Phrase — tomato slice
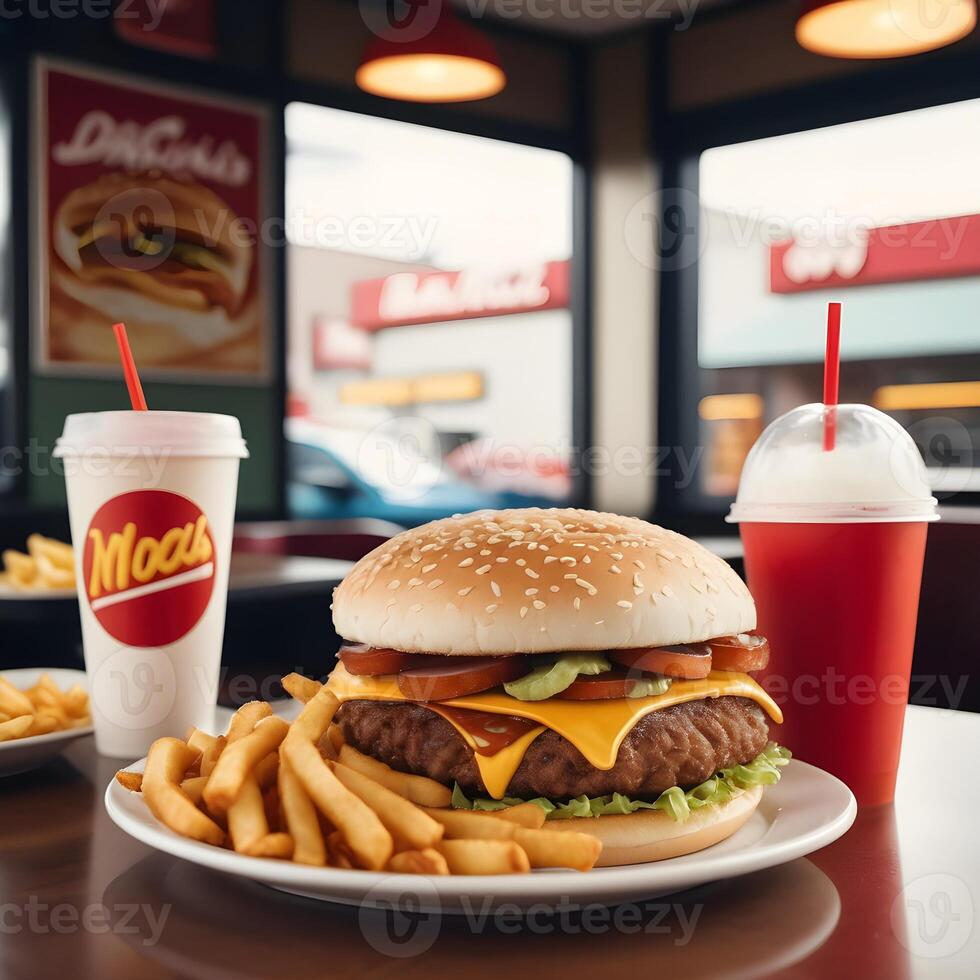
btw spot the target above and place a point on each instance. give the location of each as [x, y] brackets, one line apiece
[743, 652]
[689, 661]
[615, 683]
[454, 677]
[359, 658]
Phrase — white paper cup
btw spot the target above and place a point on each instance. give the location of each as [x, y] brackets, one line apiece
[151, 498]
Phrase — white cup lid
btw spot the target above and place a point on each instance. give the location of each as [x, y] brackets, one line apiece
[873, 473]
[174, 433]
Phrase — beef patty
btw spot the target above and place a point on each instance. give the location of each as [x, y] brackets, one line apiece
[678, 746]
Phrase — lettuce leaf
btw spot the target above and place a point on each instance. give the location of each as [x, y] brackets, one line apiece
[551, 679]
[677, 802]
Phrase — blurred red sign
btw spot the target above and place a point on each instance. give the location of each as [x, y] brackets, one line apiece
[431, 297]
[939, 248]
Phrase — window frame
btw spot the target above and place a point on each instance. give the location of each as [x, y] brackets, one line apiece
[916, 83]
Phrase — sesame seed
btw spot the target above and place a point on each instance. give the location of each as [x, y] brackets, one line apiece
[615, 569]
[571, 575]
[623, 604]
[667, 591]
[393, 584]
[553, 588]
[530, 592]
[531, 573]
[412, 582]
[428, 568]
[578, 544]
[465, 592]
[495, 588]
[521, 562]
[538, 604]
[568, 560]
[523, 611]
[618, 555]
[466, 562]
[483, 569]
[637, 582]
[549, 559]
[587, 559]
[592, 590]
[417, 607]
[492, 607]
[599, 622]
[639, 564]
[501, 560]
[469, 544]
[485, 552]
[435, 583]
[577, 603]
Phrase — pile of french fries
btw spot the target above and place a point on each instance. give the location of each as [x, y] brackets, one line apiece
[41, 709]
[48, 564]
[297, 792]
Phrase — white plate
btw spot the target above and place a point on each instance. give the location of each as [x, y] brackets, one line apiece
[805, 811]
[22, 754]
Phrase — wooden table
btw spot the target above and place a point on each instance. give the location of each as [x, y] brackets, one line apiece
[896, 897]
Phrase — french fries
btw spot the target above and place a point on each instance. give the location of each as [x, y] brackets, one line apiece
[299, 687]
[360, 826]
[239, 757]
[427, 862]
[166, 763]
[246, 718]
[528, 815]
[484, 857]
[133, 781]
[558, 848]
[418, 789]
[41, 709]
[300, 818]
[411, 828]
[282, 795]
[49, 564]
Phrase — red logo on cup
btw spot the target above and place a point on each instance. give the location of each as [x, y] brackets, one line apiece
[148, 566]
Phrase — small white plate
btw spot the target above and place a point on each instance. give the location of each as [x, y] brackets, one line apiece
[22, 754]
[805, 811]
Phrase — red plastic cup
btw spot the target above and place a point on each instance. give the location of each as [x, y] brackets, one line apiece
[834, 543]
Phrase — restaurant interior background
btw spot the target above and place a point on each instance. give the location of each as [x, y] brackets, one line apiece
[513, 301]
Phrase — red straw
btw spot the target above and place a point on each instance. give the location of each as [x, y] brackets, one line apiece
[831, 376]
[129, 368]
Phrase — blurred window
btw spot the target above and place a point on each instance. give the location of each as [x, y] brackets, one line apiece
[429, 334]
[882, 214]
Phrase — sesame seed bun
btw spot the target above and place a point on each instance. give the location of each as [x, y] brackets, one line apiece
[539, 581]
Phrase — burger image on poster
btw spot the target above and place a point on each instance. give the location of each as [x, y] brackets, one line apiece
[165, 256]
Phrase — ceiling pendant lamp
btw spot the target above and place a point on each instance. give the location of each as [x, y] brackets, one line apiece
[430, 56]
[882, 28]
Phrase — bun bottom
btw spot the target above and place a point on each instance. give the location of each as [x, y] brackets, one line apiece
[653, 835]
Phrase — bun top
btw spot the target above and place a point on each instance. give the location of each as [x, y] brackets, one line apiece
[539, 581]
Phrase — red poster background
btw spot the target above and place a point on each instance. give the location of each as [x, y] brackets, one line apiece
[212, 143]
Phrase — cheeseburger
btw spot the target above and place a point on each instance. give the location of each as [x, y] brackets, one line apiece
[597, 665]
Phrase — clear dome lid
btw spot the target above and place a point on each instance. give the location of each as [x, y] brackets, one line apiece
[873, 473]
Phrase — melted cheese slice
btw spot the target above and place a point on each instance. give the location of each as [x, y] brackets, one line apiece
[595, 728]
